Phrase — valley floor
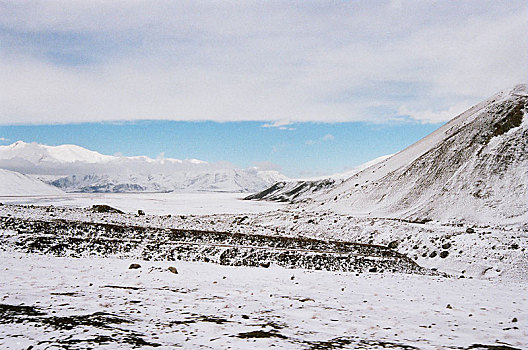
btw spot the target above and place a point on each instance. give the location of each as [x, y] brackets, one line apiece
[76, 303]
[97, 301]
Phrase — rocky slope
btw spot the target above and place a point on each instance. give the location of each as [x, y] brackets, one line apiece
[471, 169]
[298, 190]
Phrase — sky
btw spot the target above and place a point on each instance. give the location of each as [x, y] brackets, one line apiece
[304, 86]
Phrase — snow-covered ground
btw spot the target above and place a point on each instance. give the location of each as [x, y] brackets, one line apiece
[49, 302]
[197, 203]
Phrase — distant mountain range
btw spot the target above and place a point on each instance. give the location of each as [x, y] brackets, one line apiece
[473, 168]
[76, 169]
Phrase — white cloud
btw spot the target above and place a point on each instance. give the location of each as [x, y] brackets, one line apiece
[430, 116]
[3, 139]
[260, 61]
[280, 124]
[325, 138]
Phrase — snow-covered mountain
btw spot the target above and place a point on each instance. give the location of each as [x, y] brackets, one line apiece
[297, 190]
[473, 168]
[76, 169]
[214, 180]
[16, 184]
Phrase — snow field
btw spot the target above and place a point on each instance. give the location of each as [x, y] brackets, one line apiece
[213, 306]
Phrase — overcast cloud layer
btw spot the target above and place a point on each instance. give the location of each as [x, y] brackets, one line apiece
[272, 61]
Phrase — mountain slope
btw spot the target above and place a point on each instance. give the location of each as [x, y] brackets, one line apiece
[16, 184]
[473, 168]
[76, 169]
[294, 191]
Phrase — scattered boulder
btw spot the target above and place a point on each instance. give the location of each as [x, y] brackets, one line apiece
[103, 208]
[141, 212]
[514, 319]
[514, 246]
[134, 266]
[373, 269]
[173, 270]
[446, 245]
[449, 306]
[433, 254]
[444, 254]
[393, 245]
[470, 230]
[265, 264]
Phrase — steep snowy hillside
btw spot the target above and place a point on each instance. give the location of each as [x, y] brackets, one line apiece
[298, 190]
[472, 168]
[16, 184]
[76, 169]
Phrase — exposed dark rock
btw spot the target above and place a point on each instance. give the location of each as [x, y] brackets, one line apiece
[134, 266]
[173, 270]
[70, 238]
[103, 208]
[446, 245]
[444, 254]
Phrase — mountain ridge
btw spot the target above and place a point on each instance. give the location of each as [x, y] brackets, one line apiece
[471, 168]
[75, 169]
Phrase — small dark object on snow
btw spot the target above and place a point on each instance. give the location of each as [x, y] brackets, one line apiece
[514, 319]
[141, 212]
[470, 230]
[173, 270]
[433, 254]
[373, 269]
[449, 306]
[265, 264]
[444, 254]
[393, 245]
[134, 266]
[514, 246]
[446, 245]
[103, 208]
[245, 317]
[292, 277]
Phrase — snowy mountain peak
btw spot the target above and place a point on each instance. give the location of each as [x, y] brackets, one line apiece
[76, 169]
[37, 153]
[473, 168]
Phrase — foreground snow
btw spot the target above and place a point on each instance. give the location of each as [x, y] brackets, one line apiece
[48, 301]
